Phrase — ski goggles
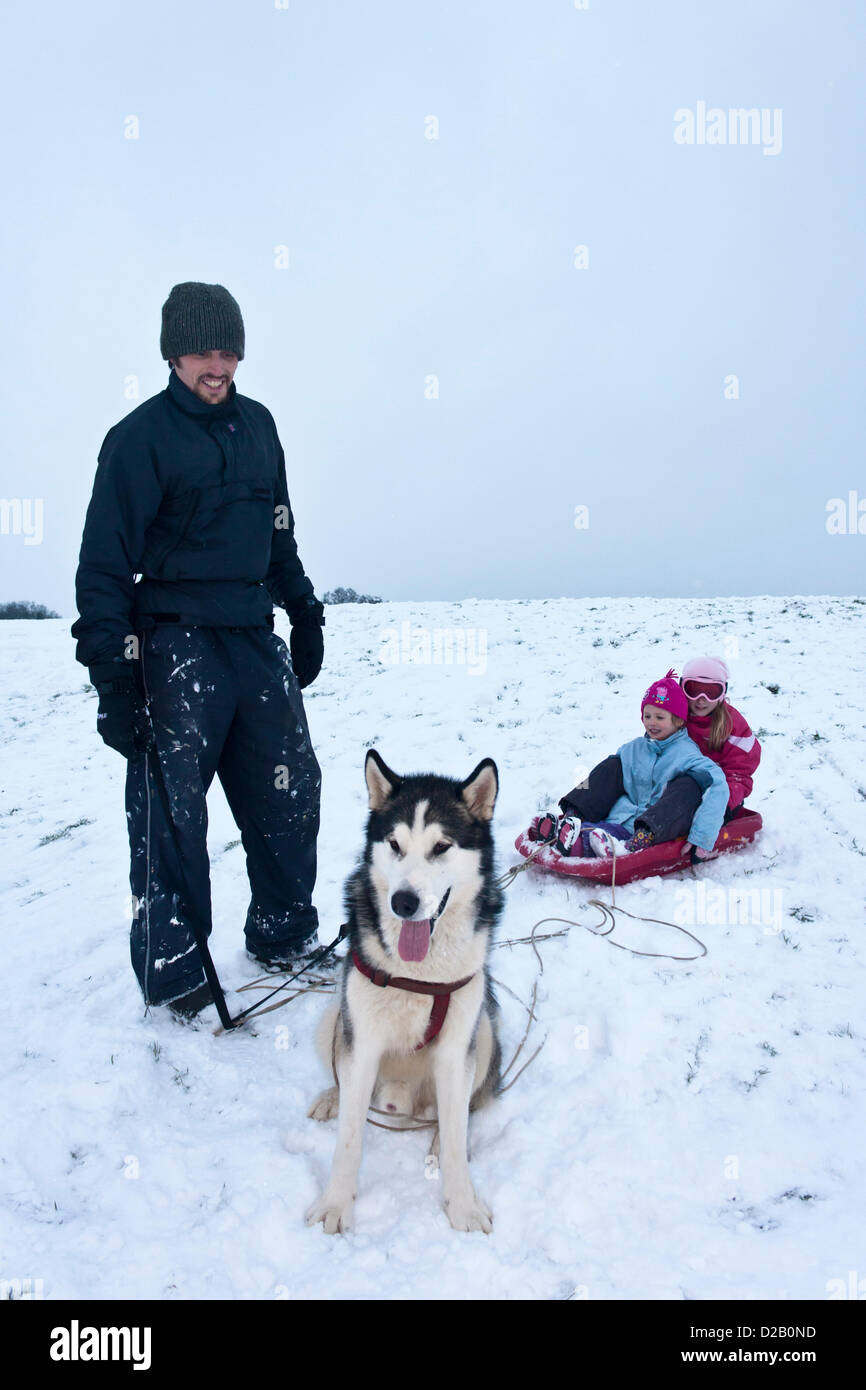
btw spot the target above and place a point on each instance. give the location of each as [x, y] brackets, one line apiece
[711, 690]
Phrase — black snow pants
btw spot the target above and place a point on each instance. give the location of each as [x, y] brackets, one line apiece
[667, 818]
[224, 701]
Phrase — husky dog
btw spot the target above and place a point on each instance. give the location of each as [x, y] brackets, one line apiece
[415, 1030]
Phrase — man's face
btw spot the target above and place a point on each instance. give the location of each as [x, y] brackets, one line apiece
[208, 374]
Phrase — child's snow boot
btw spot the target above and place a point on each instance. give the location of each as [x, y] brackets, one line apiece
[543, 828]
[567, 840]
[605, 846]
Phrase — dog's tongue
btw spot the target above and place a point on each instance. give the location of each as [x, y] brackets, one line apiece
[414, 940]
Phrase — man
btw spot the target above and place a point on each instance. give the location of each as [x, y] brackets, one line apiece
[188, 543]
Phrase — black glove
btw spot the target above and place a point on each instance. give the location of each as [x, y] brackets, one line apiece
[121, 719]
[306, 642]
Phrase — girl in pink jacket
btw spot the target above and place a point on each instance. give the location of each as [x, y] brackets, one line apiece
[719, 730]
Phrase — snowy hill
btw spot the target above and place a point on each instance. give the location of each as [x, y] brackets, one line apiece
[687, 1131]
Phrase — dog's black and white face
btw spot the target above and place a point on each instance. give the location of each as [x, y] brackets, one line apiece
[429, 846]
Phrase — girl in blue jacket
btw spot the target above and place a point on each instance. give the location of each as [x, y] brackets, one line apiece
[652, 789]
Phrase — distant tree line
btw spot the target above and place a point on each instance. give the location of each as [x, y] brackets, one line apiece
[348, 596]
[25, 608]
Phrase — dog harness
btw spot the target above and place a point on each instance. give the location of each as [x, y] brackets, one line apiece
[441, 992]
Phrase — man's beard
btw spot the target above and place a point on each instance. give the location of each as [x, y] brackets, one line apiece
[206, 393]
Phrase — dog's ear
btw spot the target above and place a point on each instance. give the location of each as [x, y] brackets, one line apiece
[381, 781]
[480, 788]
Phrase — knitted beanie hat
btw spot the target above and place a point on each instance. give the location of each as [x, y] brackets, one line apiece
[666, 694]
[201, 318]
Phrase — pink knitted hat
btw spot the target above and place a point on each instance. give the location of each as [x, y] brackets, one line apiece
[706, 668]
[666, 694]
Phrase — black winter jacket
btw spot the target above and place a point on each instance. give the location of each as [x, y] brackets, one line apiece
[190, 499]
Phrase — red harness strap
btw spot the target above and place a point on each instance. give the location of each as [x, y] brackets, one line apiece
[441, 992]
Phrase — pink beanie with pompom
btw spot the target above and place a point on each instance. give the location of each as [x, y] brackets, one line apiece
[666, 694]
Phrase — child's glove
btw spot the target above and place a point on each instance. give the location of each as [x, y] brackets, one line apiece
[696, 851]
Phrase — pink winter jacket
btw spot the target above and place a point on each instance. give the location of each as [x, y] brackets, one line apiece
[738, 756]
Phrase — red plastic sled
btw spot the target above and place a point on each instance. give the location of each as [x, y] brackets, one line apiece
[740, 830]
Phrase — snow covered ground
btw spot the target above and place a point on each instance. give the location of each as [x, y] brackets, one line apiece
[687, 1131]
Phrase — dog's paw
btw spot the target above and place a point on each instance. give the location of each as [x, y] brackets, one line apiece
[469, 1213]
[325, 1106]
[335, 1214]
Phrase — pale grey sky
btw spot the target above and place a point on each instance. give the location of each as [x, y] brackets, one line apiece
[411, 258]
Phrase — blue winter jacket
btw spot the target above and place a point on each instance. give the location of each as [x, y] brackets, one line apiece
[647, 767]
